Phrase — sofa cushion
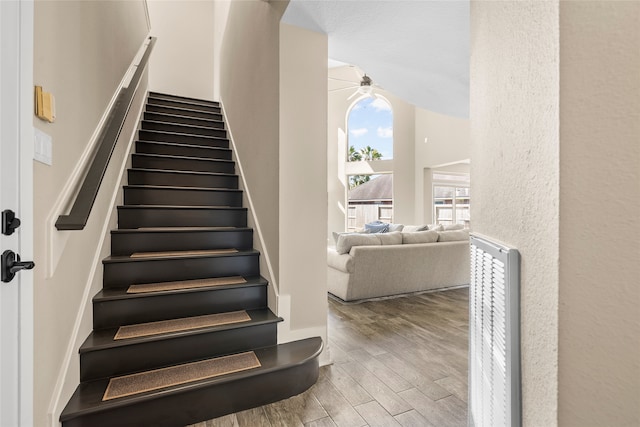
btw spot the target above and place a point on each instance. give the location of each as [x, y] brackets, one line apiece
[420, 237]
[452, 236]
[453, 227]
[377, 227]
[337, 234]
[414, 228]
[394, 238]
[346, 241]
[436, 227]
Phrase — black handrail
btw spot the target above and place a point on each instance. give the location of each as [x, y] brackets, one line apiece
[79, 214]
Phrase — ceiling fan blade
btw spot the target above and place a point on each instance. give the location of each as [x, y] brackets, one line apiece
[342, 80]
[341, 88]
[352, 95]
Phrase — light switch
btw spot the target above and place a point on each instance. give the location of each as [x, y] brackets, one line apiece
[43, 147]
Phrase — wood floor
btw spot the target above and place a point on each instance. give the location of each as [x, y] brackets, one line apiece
[397, 362]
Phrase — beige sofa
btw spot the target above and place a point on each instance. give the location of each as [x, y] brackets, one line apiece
[387, 268]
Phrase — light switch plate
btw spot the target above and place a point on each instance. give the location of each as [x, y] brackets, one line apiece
[43, 147]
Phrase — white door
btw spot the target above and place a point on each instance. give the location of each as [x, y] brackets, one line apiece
[16, 194]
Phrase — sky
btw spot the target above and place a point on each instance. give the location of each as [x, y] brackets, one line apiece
[371, 123]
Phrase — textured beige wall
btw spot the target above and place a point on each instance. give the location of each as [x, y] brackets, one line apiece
[514, 171]
[81, 58]
[303, 176]
[249, 82]
[599, 336]
[183, 61]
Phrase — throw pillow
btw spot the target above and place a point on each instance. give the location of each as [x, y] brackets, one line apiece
[436, 227]
[429, 236]
[414, 228]
[395, 227]
[453, 236]
[377, 227]
[394, 238]
[347, 241]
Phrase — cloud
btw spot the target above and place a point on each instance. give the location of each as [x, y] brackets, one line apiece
[385, 132]
[356, 133]
[380, 105]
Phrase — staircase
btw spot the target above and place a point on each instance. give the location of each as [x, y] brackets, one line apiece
[181, 328]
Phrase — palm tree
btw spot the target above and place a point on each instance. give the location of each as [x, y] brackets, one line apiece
[367, 154]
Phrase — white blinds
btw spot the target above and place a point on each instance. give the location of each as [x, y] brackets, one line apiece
[494, 335]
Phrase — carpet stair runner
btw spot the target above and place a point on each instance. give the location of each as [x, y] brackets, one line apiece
[181, 329]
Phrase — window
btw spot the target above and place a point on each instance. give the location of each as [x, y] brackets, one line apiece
[451, 199]
[370, 201]
[370, 125]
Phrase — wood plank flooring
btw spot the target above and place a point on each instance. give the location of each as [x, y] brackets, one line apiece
[396, 362]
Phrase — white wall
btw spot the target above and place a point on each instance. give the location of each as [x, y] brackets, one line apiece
[183, 61]
[599, 330]
[448, 141]
[80, 59]
[514, 171]
[249, 84]
[303, 183]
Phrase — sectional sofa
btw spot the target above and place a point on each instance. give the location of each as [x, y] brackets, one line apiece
[363, 266]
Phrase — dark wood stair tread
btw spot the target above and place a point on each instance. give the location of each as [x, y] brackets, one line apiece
[167, 118]
[177, 229]
[184, 145]
[87, 398]
[179, 135]
[126, 258]
[171, 187]
[186, 99]
[104, 338]
[169, 171]
[113, 294]
[170, 156]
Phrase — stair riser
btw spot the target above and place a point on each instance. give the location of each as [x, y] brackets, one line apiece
[172, 163]
[193, 406]
[157, 354]
[143, 217]
[182, 150]
[123, 274]
[182, 197]
[139, 177]
[115, 313]
[190, 130]
[186, 105]
[179, 119]
[183, 112]
[148, 135]
[126, 244]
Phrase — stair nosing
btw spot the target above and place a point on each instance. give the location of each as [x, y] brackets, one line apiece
[271, 318]
[181, 124]
[181, 207]
[184, 117]
[186, 134]
[185, 230]
[173, 187]
[118, 259]
[120, 293]
[184, 172]
[173, 156]
[192, 386]
[183, 145]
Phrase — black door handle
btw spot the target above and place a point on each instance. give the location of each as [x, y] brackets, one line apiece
[11, 264]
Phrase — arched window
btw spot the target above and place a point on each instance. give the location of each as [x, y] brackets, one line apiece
[370, 130]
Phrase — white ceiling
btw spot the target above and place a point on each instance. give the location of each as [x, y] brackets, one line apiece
[415, 49]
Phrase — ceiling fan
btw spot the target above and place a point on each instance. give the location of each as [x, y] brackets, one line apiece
[364, 88]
